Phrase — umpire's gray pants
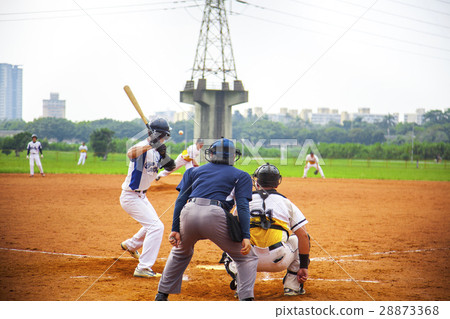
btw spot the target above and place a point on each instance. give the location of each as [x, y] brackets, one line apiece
[207, 222]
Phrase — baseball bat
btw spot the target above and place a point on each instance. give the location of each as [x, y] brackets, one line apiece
[136, 104]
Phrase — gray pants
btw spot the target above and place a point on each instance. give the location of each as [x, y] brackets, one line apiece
[199, 222]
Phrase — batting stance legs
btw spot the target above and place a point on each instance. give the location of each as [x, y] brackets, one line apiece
[199, 222]
[35, 158]
[149, 237]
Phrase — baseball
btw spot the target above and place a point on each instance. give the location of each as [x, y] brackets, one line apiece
[180, 132]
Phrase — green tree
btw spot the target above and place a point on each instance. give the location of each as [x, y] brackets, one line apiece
[101, 142]
[7, 145]
[21, 141]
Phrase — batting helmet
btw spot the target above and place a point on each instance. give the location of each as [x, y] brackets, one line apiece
[34, 135]
[267, 175]
[161, 126]
[222, 151]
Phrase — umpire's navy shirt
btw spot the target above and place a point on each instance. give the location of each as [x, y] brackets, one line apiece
[221, 182]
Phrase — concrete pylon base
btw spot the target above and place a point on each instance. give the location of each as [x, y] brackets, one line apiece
[213, 107]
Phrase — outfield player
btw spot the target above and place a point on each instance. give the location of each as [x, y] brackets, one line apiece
[146, 158]
[188, 158]
[206, 194]
[272, 218]
[83, 153]
[33, 150]
[312, 161]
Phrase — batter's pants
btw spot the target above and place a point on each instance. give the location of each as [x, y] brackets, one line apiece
[149, 237]
[206, 221]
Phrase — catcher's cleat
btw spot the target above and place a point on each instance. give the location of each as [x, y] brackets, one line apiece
[145, 273]
[292, 292]
[134, 254]
[160, 296]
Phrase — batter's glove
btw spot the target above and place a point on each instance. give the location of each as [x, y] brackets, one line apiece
[168, 164]
[315, 172]
[162, 150]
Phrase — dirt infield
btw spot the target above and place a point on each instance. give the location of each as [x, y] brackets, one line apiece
[389, 240]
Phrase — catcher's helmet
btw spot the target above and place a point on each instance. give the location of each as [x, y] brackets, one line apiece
[267, 175]
[161, 126]
[34, 135]
[222, 151]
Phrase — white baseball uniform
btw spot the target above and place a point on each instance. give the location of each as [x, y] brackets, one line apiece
[184, 159]
[276, 249]
[83, 151]
[312, 161]
[141, 172]
[33, 150]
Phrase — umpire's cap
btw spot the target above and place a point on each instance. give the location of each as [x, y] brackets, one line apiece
[267, 175]
[222, 151]
[161, 126]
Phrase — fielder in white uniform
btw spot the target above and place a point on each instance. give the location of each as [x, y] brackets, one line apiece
[187, 158]
[143, 169]
[83, 153]
[312, 161]
[272, 217]
[33, 150]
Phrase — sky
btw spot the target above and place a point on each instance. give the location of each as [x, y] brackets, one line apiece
[392, 56]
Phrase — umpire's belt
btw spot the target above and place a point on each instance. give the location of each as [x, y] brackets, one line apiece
[275, 246]
[206, 202]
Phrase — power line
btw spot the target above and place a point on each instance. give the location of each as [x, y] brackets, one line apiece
[97, 8]
[99, 13]
[418, 7]
[334, 25]
[397, 15]
[371, 20]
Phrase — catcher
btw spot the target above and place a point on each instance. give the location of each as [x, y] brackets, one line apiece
[272, 217]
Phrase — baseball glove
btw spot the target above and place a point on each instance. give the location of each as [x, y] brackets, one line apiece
[315, 172]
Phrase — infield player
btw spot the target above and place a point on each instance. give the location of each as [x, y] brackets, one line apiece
[207, 193]
[312, 161]
[83, 153]
[187, 158]
[146, 158]
[33, 150]
[272, 219]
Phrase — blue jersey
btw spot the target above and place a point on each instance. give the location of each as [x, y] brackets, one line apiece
[217, 181]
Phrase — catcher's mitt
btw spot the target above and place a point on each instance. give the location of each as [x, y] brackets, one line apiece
[315, 172]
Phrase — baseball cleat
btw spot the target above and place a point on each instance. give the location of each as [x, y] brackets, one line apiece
[157, 178]
[145, 273]
[292, 292]
[160, 296]
[134, 254]
[43, 175]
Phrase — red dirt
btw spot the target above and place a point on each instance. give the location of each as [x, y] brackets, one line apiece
[399, 231]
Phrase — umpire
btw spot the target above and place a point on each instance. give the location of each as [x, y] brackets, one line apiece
[205, 193]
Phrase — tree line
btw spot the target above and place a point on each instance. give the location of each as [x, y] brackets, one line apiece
[355, 139]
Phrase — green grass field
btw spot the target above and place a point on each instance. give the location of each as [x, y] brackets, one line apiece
[56, 162]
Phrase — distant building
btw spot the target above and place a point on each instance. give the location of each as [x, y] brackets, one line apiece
[54, 107]
[293, 113]
[366, 116]
[415, 117]
[184, 116]
[305, 115]
[325, 118]
[10, 92]
[168, 115]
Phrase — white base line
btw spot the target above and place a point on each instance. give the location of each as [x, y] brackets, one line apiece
[164, 258]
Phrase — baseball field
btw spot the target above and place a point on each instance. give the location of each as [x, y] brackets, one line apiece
[371, 240]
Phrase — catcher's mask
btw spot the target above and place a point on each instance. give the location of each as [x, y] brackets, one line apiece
[222, 151]
[267, 175]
